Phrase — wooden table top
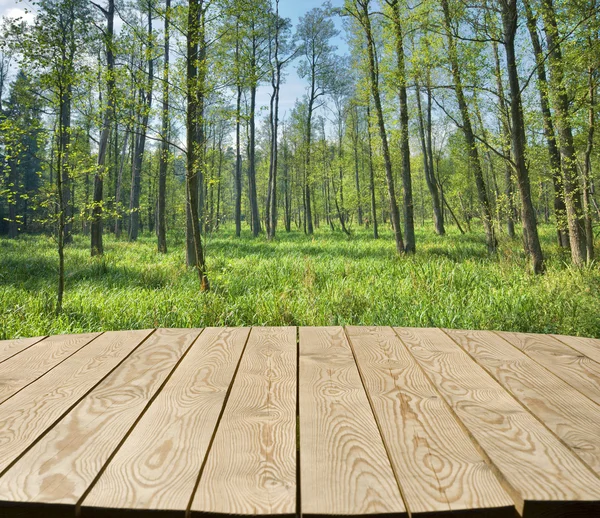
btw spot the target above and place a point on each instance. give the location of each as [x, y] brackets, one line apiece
[293, 421]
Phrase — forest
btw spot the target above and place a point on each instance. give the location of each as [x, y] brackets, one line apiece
[269, 162]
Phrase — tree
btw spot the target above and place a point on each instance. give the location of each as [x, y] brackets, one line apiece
[372, 177]
[96, 230]
[359, 9]
[425, 137]
[340, 90]
[145, 99]
[164, 151]
[281, 52]
[196, 68]
[553, 151]
[467, 128]
[51, 48]
[314, 33]
[509, 23]
[20, 165]
[355, 121]
[559, 95]
[397, 15]
[506, 139]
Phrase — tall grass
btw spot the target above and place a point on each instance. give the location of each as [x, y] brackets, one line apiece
[328, 279]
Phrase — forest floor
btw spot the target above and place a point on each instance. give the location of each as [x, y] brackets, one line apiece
[328, 279]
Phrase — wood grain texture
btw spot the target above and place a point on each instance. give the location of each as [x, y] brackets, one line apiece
[534, 466]
[61, 466]
[158, 465]
[344, 468]
[29, 414]
[251, 466]
[437, 465]
[590, 347]
[571, 366]
[24, 368]
[572, 417]
[9, 348]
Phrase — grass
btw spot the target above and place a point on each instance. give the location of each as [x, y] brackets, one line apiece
[297, 280]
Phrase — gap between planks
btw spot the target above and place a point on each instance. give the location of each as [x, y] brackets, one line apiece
[346, 469]
[259, 425]
[51, 405]
[538, 470]
[573, 367]
[570, 416]
[11, 348]
[38, 359]
[437, 467]
[166, 487]
[61, 467]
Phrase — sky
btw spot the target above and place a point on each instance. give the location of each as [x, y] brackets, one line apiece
[293, 88]
[16, 8]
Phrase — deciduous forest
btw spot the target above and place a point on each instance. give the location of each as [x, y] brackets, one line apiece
[183, 163]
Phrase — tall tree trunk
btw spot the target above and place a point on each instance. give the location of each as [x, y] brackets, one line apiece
[238, 166]
[560, 210]
[409, 216]
[571, 186]
[429, 179]
[252, 194]
[124, 153]
[340, 209]
[164, 150]
[238, 144]
[467, 128]
[97, 224]
[219, 178]
[64, 143]
[196, 78]
[140, 140]
[287, 205]
[327, 164]
[372, 176]
[587, 166]
[509, 22]
[429, 145]
[374, 84]
[506, 130]
[275, 83]
[63, 138]
[307, 176]
[355, 137]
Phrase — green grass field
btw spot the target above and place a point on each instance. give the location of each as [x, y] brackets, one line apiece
[297, 280]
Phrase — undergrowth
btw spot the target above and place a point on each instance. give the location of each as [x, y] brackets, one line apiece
[328, 279]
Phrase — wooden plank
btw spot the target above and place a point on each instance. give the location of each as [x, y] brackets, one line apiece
[23, 369]
[589, 347]
[344, 468]
[541, 474]
[60, 467]
[158, 465]
[576, 369]
[31, 412]
[572, 417]
[9, 348]
[437, 465]
[251, 465]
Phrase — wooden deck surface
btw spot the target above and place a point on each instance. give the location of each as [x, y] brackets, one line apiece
[292, 421]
